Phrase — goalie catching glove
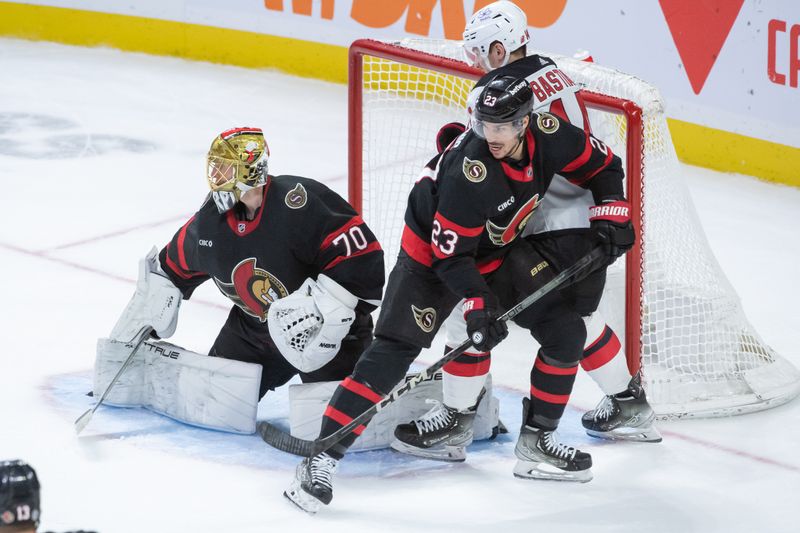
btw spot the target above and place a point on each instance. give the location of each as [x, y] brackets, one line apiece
[612, 227]
[155, 303]
[308, 325]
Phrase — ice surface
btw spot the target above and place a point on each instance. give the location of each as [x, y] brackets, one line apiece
[101, 156]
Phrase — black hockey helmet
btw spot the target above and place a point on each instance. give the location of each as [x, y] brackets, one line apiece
[19, 494]
[504, 99]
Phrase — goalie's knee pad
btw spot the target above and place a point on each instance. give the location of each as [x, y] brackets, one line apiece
[155, 303]
[196, 389]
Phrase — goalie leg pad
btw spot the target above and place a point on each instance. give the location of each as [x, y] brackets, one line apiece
[307, 403]
[199, 390]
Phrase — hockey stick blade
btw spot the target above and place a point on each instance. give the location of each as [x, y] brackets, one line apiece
[83, 420]
[309, 448]
[284, 442]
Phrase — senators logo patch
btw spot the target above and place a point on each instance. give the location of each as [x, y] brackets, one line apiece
[297, 197]
[253, 289]
[548, 123]
[475, 171]
[425, 318]
[502, 235]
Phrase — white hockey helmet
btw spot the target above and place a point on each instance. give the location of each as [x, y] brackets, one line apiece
[502, 22]
[236, 163]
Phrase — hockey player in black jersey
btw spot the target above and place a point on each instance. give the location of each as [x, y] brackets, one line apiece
[495, 40]
[459, 242]
[300, 266]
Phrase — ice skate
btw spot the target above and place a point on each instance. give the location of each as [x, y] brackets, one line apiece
[443, 433]
[313, 483]
[541, 456]
[623, 416]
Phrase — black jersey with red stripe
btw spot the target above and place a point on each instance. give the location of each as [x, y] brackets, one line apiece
[301, 230]
[468, 207]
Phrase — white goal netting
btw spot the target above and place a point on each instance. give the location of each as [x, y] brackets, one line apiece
[699, 354]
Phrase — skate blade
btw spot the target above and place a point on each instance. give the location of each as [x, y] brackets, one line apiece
[450, 454]
[640, 434]
[531, 470]
[303, 500]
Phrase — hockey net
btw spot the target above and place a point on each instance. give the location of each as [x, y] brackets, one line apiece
[682, 320]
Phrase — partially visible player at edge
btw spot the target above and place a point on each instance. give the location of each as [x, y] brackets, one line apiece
[20, 498]
[495, 40]
[301, 267]
[457, 244]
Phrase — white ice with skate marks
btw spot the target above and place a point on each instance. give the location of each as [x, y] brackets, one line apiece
[101, 156]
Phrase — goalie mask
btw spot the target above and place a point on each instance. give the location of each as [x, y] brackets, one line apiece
[236, 163]
[502, 22]
[19, 494]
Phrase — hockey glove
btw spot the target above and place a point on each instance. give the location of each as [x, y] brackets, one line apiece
[483, 328]
[612, 228]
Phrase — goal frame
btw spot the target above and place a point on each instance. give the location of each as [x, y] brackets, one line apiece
[632, 113]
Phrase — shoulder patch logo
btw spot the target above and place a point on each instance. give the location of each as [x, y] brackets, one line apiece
[297, 197]
[547, 123]
[474, 170]
[425, 318]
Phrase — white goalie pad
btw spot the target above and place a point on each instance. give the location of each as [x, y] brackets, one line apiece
[208, 392]
[308, 325]
[155, 302]
[307, 403]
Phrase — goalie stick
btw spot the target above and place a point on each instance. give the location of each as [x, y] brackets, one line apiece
[283, 441]
[84, 419]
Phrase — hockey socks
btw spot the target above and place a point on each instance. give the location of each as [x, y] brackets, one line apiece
[350, 399]
[603, 357]
[463, 379]
[551, 386]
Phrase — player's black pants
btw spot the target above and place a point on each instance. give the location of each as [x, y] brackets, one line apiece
[245, 339]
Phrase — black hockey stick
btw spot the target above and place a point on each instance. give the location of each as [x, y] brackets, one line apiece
[83, 420]
[308, 448]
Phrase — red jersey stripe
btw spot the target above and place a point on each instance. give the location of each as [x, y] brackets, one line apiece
[362, 390]
[555, 370]
[461, 230]
[561, 399]
[177, 269]
[342, 419]
[355, 221]
[417, 249]
[373, 247]
[181, 252]
[581, 159]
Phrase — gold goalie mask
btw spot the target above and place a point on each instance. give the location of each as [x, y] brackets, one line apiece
[236, 163]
